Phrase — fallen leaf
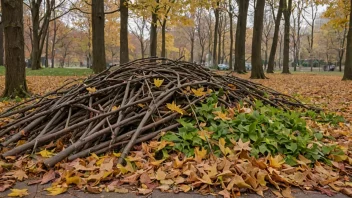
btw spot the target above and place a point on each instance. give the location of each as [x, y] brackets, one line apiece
[158, 82]
[46, 154]
[174, 108]
[91, 90]
[49, 176]
[287, 193]
[56, 190]
[199, 154]
[199, 92]
[18, 193]
[160, 175]
[225, 193]
[144, 191]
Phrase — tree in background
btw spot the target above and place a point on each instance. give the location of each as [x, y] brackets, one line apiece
[240, 43]
[287, 8]
[257, 63]
[124, 56]
[348, 64]
[273, 50]
[98, 23]
[15, 80]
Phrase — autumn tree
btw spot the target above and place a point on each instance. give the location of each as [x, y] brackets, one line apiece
[273, 50]
[15, 75]
[240, 43]
[348, 64]
[257, 65]
[337, 12]
[287, 8]
[98, 23]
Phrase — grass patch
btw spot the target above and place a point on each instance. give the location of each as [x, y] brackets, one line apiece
[54, 72]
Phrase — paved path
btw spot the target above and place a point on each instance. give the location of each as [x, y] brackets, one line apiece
[39, 192]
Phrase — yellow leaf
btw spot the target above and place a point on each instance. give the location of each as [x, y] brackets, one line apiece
[184, 188]
[224, 150]
[18, 193]
[127, 168]
[239, 182]
[199, 92]
[158, 82]
[276, 162]
[174, 108]
[114, 108]
[200, 154]
[221, 115]
[121, 190]
[56, 190]
[91, 90]
[46, 154]
[204, 135]
[73, 180]
[141, 105]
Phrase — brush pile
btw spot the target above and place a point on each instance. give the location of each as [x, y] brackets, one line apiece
[122, 106]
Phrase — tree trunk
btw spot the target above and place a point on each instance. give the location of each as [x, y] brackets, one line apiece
[153, 32]
[257, 64]
[231, 35]
[275, 39]
[348, 65]
[216, 29]
[192, 49]
[219, 44]
[98, 22]
[53, 43]
[124, 56]
[15, 74]
[1, 43]
[163, 39]
[35, 55]
[47, 49]
[287, 15]
[240, 43]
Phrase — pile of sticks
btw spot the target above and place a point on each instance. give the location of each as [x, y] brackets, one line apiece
[121, 107]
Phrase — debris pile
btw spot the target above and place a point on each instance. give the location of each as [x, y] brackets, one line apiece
[122, 106]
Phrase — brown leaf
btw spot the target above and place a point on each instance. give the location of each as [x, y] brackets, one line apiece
[145, 179]
[287, 193]
[49, 176]
[144, 191]
[225, 193]
[93, 190]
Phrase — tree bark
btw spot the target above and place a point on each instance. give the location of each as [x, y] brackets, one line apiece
[98, 22]
[231, 35]
[240, 43]
[348, 65]
[15, 74]
[257, 64]
[124, 52]
[163, 39]
[154, 33]
[216, 29]
[53, 43]
[219, 42]
[1, 43]
[47, 49]
[275, 39]
[287, 15]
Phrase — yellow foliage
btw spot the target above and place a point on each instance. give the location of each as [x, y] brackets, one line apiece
[174, 108]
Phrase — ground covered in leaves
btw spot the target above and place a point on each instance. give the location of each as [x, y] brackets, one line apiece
[238, 150]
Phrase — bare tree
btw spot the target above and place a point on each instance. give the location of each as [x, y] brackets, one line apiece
[312, 14]
[267, 30]
[139, 29]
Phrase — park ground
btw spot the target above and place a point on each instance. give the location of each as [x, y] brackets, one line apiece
[323, 89]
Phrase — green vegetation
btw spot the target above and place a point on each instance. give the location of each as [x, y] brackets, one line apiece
[270, 130]
[54, 72]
